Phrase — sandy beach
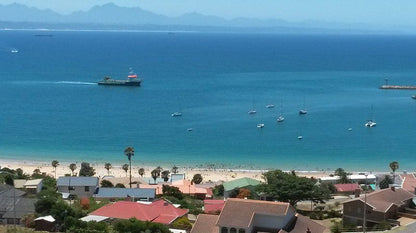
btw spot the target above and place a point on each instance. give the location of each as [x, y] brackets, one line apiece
[209, 175]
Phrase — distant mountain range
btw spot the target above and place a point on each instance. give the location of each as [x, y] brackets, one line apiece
[111, 16]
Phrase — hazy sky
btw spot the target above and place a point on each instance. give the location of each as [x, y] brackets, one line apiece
[376, 12]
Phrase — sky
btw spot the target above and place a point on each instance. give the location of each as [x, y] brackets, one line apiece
[374, 12]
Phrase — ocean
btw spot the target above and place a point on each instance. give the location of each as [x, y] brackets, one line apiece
[51, 108]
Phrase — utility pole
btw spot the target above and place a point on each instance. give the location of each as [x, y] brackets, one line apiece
[365, 206]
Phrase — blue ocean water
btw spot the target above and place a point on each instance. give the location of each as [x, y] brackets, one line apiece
[50, 107]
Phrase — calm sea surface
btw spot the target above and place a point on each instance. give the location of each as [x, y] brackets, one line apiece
[50, 107]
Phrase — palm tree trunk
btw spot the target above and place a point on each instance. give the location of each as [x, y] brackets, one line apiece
[130, 172]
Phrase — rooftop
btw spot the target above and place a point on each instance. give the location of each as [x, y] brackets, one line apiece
[240, 183]
[409, 182]
[77, 181]
[347, 187]
[125, 192]
[160, 211]
[239, 212]
[213, 206]
[383, 199]
[205, 223]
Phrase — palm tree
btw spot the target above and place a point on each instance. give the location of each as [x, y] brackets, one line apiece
[55, 163]
[394, 166]
[129, 151]
[141, 172]
[73, 167]
[108, 166]
[165, 175]
[174, 169]
[125, 167]
[155, 174]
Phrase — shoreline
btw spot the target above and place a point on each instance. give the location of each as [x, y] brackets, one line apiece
[209, 174]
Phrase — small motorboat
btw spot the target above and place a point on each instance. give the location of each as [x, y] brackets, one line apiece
[176, 114]
[300, 137]
[270, 106]
[14, 51]
[302, 112]
[280, 119]
[414, 97]
[261, 125]
[189, 129]
[349, 129]
[370, 123]
[251, 112]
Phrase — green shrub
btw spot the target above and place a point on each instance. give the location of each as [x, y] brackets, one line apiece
[182, 223]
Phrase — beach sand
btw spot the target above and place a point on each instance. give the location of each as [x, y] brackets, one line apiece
[209, 175]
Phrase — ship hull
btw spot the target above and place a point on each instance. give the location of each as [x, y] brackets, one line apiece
[120, 83]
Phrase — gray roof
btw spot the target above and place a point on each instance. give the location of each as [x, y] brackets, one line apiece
[23, 206]
[77, 181]
[125, 192]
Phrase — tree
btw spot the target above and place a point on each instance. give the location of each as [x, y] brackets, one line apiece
[155, 174]
[86, 170]
[343, 176]
[125, 167]
[36, 172]
[108, 166]
[120, 185]
[385, 182]
[141, 172]
[218, 190]
[129, 152]
[159, 168]
[106, 184]
[290, 188]
[394, 166]
[197, 179]
[175, 169]
[55, 164]
[72, 167]
[165, 175]
[172, 191]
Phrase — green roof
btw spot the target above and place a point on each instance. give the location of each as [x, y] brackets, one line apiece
[240, 183]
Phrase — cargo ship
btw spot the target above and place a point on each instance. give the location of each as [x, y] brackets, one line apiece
[132, 80]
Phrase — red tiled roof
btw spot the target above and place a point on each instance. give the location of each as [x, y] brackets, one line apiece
[347, 187]
[212, 206]
[159, 211]
[409, 182]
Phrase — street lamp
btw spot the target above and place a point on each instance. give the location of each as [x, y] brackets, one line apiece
[365, 205]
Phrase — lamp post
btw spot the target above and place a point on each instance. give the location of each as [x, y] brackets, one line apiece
[365, 206]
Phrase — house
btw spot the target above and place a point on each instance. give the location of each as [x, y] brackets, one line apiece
[353, 188]
[408, 182]
[185, 186]
[213, 206]
[160, 211]
[177, 176]
[30, 186]
[45, 223]
[134, 193]
[359, 178]
[245, 182]
[247, 216]
[79, 186]
[33, 186]
[381, 206]
[9, 213]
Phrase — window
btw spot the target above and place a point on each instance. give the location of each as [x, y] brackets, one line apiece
[233, 230]
[358, 210]
[241, 231]
[71, 188]
[224, 230]
[87, 188]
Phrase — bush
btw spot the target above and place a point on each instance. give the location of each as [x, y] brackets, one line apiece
[182, 223]
[106, 184]
[197, 179]
[86, 170]
[120, 185]
[218, 190]
[135, 226]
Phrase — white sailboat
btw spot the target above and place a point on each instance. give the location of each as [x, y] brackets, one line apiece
[371, 123]
[281, 118]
